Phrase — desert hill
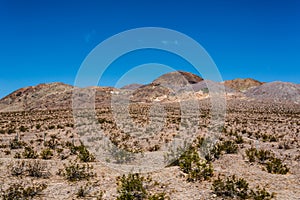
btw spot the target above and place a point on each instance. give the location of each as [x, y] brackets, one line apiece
[242, 84]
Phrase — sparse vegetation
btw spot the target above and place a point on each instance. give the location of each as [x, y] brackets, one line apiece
[19, 191]
[134, 187]
[265, 157]
[29, 153]
[46, 154]
[76, 172]
[233, 187]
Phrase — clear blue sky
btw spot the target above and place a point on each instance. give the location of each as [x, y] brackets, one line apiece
[46, 41]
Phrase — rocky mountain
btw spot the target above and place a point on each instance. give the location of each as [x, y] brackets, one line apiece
[133, 86]
[276, 92]
[40, 97]
[242, 84]
[171, 86]
[177, 78]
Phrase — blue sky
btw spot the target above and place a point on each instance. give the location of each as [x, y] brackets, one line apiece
[46, 41]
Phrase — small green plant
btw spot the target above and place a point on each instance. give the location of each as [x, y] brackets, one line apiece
[16, 144]
[19, 191]
[229, 147]
[29, 153]
[76, 172]
[46, 154]
[231, 187]
[84, 155]
[261, 194]
[18, 168]
[134, 187]
[265, 157]
[131, 187]
[37, 169]
[238, 188]
[275, 166]
[83, 191]
[38, 126]
[196, 168]
[23, 128]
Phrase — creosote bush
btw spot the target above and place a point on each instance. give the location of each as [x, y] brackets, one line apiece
[134, 187]
[29, 153]
[265, 157]
[19, 191]
[238, 188]
[16, 144]
[34, 169]
[197, 169]
[46, 154]
[76, 172]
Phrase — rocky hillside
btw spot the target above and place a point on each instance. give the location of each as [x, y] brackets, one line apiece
[177, 78]
[40, 97]
[242, 84]
[276, 92]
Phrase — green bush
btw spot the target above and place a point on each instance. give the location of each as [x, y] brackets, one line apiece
[37, 169]
[196, 168]
[19, 191]
[275, 166]
[238, 188]
[76, 172]
[84, 155]
[229, 147]
[16, 144]
[131, 187]
[23, 128]
[29, 153]
[265, 157]
[134, 187]
[18, 168]
[231, 187]
[46, 154]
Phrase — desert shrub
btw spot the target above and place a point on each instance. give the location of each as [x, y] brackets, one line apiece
[238, 188]
[2, 131]
[7, 152]
[38, 126]
[260, 155]
[59, 126]
[17, 155]
[51, 127]
[33, 169]
[230, 147]
[275, 166]
[131, 187]
[261, 194]
[46, 154]
[84, 155]
[23, 128]
[16, 144]
[11, 131]
[52, 143]
[231, 187]
[264, 155]
[239, 139]
[18, 168]
[134, 187]
[159, 196]
[76, 172]
[83, 191]
[196, 168]
[29, 153]
[37, 169]
[19, 191]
